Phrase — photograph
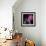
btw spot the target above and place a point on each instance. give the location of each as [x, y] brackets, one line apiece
[28, 19]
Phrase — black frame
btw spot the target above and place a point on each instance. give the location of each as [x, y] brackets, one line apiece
[33, 14]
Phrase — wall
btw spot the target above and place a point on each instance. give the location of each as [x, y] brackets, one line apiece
[6, 13]
[43, 22]
[33, 33]
[6, 16]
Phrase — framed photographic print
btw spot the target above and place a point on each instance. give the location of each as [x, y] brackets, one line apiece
[28, 19]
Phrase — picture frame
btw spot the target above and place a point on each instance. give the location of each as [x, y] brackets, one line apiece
[28, 19]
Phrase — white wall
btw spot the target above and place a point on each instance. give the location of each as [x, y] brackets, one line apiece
[38, 33]
[26, 5]
[33, 33]
[43, 22]
[6, 13]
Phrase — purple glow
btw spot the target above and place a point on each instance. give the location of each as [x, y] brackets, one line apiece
[30, 18]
